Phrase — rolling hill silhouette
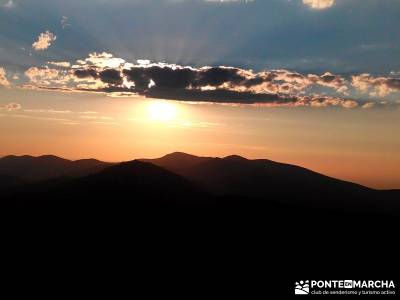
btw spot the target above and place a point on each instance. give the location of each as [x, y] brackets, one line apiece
[269, 180]
[180, 179]
[254, 178]
[30, 169]
[126, 185]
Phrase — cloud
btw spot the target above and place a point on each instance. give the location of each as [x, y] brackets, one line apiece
[44, 41]
[64, 22]
[63, 64]
[111, 76]
[48, 111]
[319, 4]
[7, 4]
[101, 60]
[229, 1]
[376, 86]
[40, 118]
[10, 106]
[95, 117]
[104, 73]
[42, 76]
[368, 105]
[213, 84]
[3, 78]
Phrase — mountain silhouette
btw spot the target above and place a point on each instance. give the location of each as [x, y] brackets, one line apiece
[269, 180]
[180, 179]
[177, 161]
[125, 185]
[237, 175]
[30, 168]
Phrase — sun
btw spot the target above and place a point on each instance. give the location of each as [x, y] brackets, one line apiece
[162, 111]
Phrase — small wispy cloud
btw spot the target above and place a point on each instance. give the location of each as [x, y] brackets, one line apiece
[40, 118]
[88, 112]
[94, 117]
[64, 22]
[63, 64]
[10, 106]
[319, 4]
[7, 4]
[48, 111]
[44, 41]
[229, 1]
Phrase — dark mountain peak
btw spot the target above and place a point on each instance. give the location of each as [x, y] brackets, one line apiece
[16, 157]
[134, 170]
[138, 179]
[31, 168]
[87, 160]
[179, 155]
[32, 158]
[235, 158]
[177, 161]
[8, 157]
[51, 158]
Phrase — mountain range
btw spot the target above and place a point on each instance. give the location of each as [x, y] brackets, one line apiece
[183, 180]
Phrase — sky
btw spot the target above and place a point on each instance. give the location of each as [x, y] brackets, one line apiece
[310, 82]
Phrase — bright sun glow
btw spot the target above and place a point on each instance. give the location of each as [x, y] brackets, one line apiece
[162, 111]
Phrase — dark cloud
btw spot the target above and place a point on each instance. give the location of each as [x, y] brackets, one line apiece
[141, 80]
[328, 78]
[217, 95]
[179, 78]
[217, 84]
[393, 83]
[116, 77]
[163, 77]
[111, 76]
[219, 76]
[184, 83]
[85, 73]
[255, 81]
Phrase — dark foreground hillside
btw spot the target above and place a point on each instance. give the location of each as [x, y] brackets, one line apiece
[123, 186]
[210, 210]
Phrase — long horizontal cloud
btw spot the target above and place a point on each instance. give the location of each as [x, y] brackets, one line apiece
[107, 74]
[10, 106]
[319, 4]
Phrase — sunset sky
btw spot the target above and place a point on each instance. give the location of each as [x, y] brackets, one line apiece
[315, 83]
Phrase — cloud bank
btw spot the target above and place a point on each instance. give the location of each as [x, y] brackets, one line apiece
[104, 73]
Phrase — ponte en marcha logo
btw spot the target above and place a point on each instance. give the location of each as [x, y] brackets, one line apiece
[345, 287]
